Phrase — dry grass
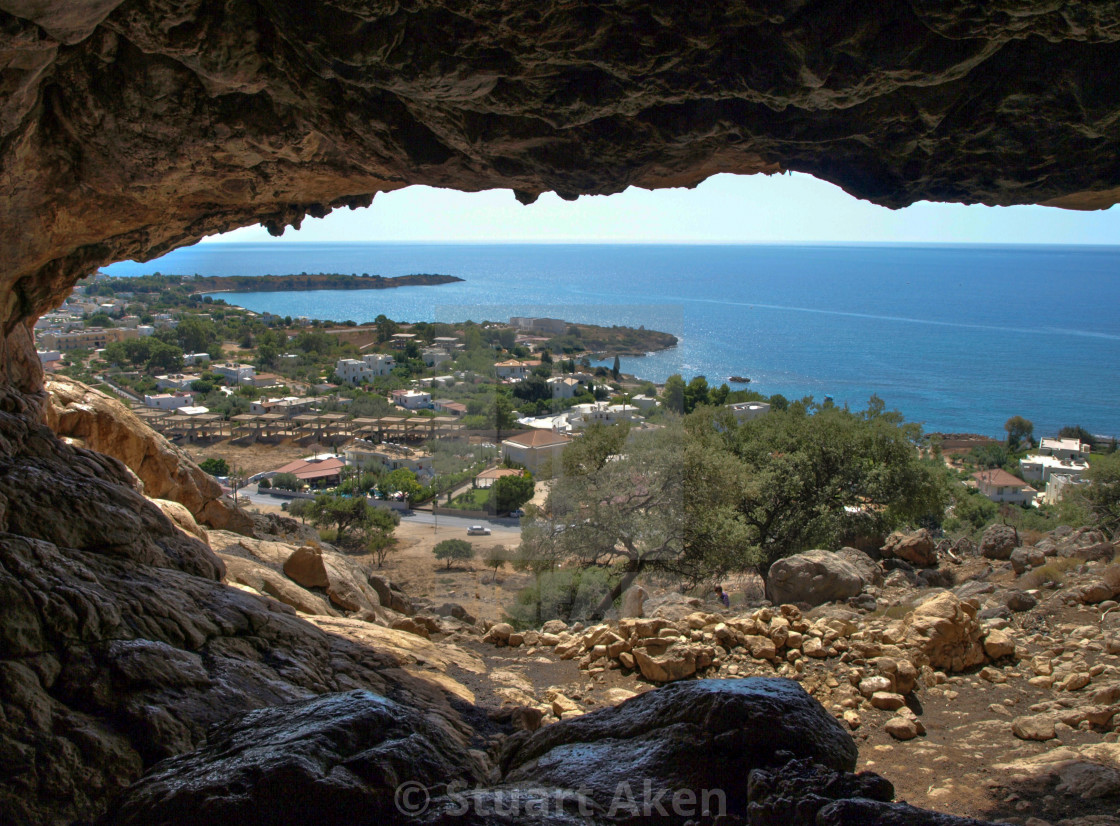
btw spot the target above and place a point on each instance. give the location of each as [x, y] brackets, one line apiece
[1051, 572]
[1030, 537]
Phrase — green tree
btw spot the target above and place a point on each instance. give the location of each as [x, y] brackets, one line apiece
[501, 414]
[1077, 432]
[792, 480]
[1018, 430]
[344, 514]
[511, 492]
[626, 514]
[287, 481]
[695, 393]
[297, 507]
[496, 557]
[164, 358]
[195, 335]
[377, 532]
[1102, 494]
[590, 451]
[616, 369]
[453, 550]
[673, 394]
[403, 481]
[215, 466]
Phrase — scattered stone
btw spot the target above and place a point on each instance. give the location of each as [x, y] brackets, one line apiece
[917, 548]
[999, 541]
[1034, 727]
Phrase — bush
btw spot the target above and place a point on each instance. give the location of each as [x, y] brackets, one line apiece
[453, 550]
[215, 467]
[287, 481]
[264, 484]
[566, 594]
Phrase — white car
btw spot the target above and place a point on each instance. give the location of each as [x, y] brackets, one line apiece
[478, 530]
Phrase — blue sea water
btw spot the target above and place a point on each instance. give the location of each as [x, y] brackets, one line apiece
[957, 337]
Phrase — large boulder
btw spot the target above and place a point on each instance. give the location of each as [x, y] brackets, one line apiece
[944, 633]
[264, 580]
[334, 759]
[813, 578]
[665, 661]
[704, 734]
[305, 567]
[100, 422]
[999, 541]
[633, 602]
[390, 595]
[917, 548]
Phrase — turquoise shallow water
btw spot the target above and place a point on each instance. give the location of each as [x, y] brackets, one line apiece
[957, 337]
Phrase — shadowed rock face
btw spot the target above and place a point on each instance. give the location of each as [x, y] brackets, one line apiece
[130, 127]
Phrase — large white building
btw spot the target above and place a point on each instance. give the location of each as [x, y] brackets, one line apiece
[368, 367]
[585, 415]
[412, 399]
[1068, 457]
[169, 401]
[234, 373]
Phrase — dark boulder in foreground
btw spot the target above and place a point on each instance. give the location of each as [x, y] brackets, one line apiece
[333, 759]
[697, 736]
[757, 751]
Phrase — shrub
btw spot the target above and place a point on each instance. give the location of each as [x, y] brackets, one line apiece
[453, 549]
[215, 467]
[1051, 572]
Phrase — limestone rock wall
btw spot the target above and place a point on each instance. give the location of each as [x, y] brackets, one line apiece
[130, 127]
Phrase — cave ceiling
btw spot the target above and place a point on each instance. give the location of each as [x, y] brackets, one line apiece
[129, 128]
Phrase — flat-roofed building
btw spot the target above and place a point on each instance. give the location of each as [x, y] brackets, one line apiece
[169, 401]
[89, 338]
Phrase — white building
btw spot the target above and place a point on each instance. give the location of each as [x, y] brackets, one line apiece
[234, 373]
[1065, 448]
[564, 387]
[1000, 486]
[357, 371]
[1036, 467]
[585, 415]
[435, 356]
[745, 411]
[412, 399]
[169, 401]
[1056, 487]
[196, 358]
[145, 329]
[47, 356]
[644, 403]
[175, 381]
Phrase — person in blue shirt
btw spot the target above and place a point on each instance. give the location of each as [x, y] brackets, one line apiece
[724, 599]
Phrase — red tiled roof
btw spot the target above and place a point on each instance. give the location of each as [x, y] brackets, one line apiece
[999, 478]
[313, 470]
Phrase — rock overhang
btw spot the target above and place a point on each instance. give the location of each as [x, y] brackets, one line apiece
[131, 127]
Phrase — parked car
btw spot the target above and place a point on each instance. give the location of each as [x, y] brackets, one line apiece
[517, 514]
[478, 530]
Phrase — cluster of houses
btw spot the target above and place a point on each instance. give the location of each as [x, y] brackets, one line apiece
[1059, 463]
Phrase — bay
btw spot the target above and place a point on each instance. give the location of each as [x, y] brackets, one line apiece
[956, 337]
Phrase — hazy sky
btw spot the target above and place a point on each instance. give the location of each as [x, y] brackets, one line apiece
[723, 209]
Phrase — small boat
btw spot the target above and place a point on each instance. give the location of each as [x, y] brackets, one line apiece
[740, 379]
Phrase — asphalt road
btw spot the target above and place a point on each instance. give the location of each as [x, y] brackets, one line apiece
[506, 528]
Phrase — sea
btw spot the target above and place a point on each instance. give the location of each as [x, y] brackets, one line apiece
[957, 337]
